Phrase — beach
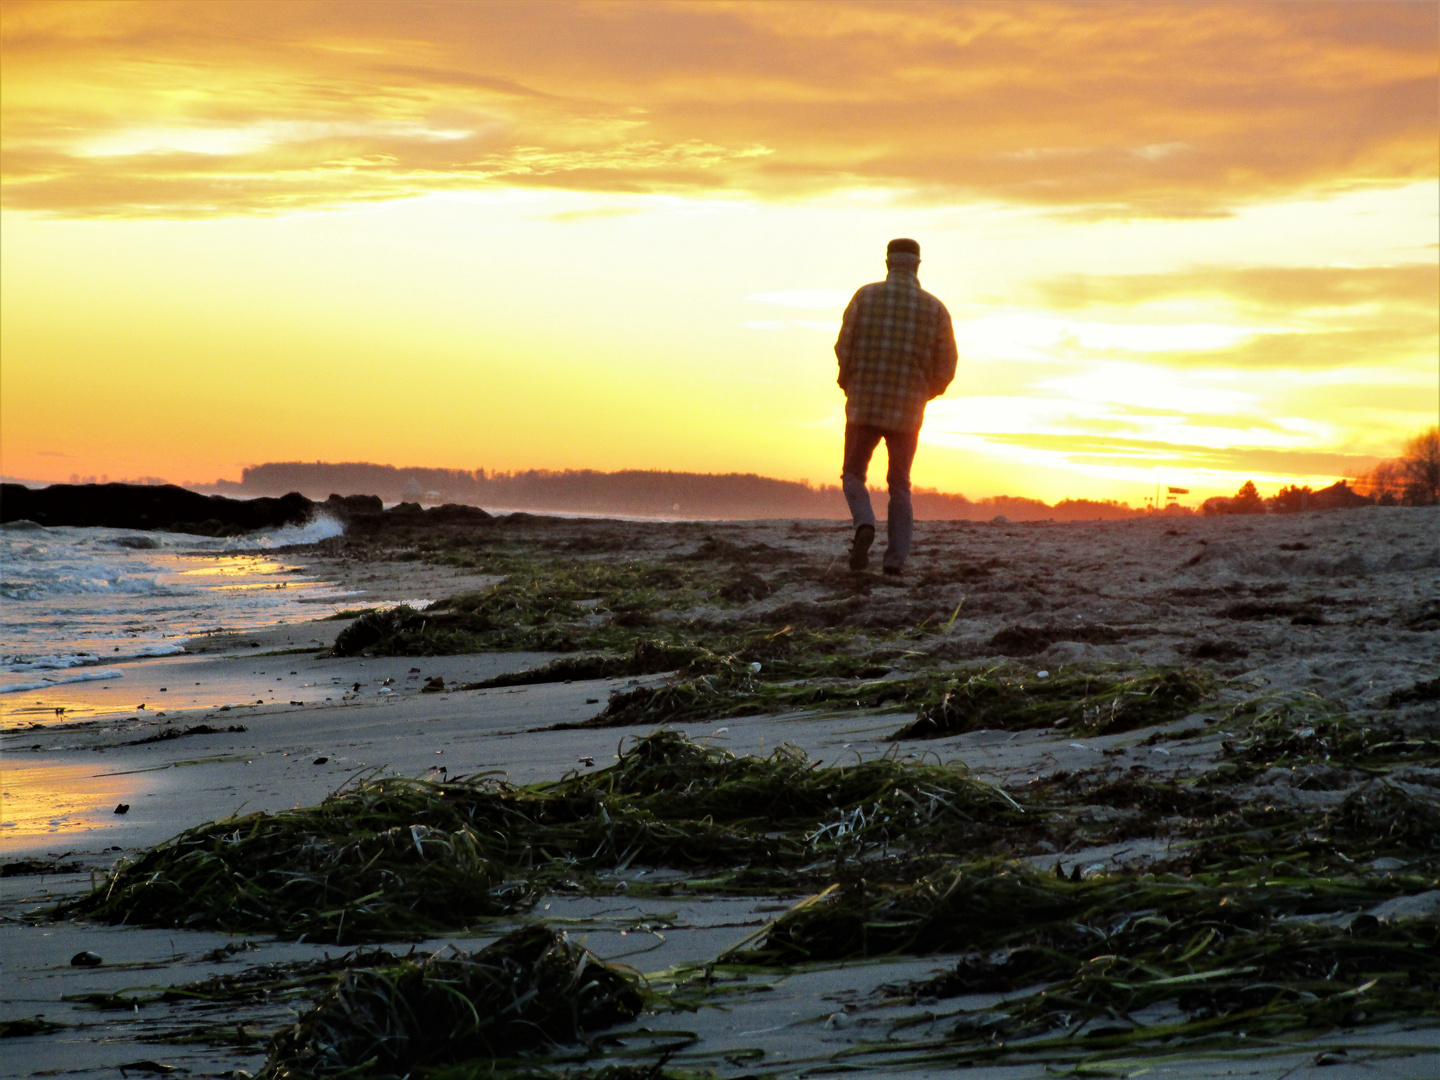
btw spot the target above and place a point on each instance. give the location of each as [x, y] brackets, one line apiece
[1331, 612]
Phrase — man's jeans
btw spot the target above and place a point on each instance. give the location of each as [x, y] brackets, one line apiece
[860, 443]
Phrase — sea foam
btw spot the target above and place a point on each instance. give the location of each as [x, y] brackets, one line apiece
[74, 598]
[59, 680]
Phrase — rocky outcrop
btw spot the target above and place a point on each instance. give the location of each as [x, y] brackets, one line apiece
[168, 508]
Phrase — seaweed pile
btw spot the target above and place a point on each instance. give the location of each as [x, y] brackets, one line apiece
[1380, 818]
[1157, 975]
[635, 619]
[379, 859]
[706, 600]
[550, 605]
[1004, 904]
[532, 989]
[1259, 926]
[1130, 961]
[387, 858]
[1309, 730]
[1084, 703]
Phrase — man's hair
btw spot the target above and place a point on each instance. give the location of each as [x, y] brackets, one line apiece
[902, 246]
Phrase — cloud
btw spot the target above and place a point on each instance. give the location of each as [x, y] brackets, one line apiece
[1243, 318]
[1183, 109]
[1266, 288]
[1238, 460]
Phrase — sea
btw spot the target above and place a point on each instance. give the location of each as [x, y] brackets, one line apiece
[76, 604]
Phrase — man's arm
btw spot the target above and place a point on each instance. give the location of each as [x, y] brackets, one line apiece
[944, 355]
[845, 341]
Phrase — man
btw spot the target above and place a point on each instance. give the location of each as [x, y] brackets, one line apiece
[896, 351]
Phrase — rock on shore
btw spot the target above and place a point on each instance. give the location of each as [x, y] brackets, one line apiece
[170, 508]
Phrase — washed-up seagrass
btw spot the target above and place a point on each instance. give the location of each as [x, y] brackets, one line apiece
[533, 989]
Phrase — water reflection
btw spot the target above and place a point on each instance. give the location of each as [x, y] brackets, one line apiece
[47, 798]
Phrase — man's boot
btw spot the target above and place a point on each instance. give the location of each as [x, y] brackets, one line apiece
[860, 547]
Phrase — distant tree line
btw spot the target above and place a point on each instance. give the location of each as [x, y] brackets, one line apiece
[642, 493]
[1412, 479]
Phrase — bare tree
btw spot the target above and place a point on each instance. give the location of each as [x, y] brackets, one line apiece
[1385, 483]
[1420, 467]
[1412, 479]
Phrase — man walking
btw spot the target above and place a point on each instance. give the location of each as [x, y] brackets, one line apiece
[896, 351]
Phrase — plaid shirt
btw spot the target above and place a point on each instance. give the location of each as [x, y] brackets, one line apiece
[896, 351]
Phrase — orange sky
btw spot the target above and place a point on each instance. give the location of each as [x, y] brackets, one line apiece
[1190, 244]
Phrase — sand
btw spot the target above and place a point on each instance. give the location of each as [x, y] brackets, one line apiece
[1343, 605]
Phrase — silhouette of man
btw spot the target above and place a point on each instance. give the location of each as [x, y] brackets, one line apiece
[896, 351]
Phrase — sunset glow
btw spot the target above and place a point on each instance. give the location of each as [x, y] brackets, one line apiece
[1183, 243]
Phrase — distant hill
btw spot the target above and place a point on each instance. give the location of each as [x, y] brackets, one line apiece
[641, 493]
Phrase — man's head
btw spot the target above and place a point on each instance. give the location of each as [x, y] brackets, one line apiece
[902, 254]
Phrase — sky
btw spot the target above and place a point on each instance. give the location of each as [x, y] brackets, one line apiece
[1182, 244]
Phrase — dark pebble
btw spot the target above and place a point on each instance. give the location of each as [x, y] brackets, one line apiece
[320, 761]
[86, 959]
[123, 808]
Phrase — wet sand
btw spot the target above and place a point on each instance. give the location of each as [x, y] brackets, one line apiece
[1341, 605]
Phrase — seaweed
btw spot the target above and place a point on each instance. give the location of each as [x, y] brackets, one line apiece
[1272, 979]
[1308, 729]
[1422, 690]
[25, 1027]
[646, 658]
[999, 904]
[383, 858]
[18, 867]
[882, 801]
[388, 858]
[533, 989]
[570, 605]
[1381, 816]
[180, 733]
[279, 981]
[1028, 640]
[562, 606]
[1260, 936]
[1083, 703]
[735, 688]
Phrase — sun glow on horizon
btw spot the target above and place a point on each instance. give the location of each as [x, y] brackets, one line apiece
[565, 235]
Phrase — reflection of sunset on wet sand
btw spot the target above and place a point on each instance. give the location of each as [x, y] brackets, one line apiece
[1181, 242]
[52, 799]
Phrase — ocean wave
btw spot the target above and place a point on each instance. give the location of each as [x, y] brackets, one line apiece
[75, 597]
[69, 661]
[49, 663]
[46, 684]
[320, 527]
[156, 650]
[88, 579]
